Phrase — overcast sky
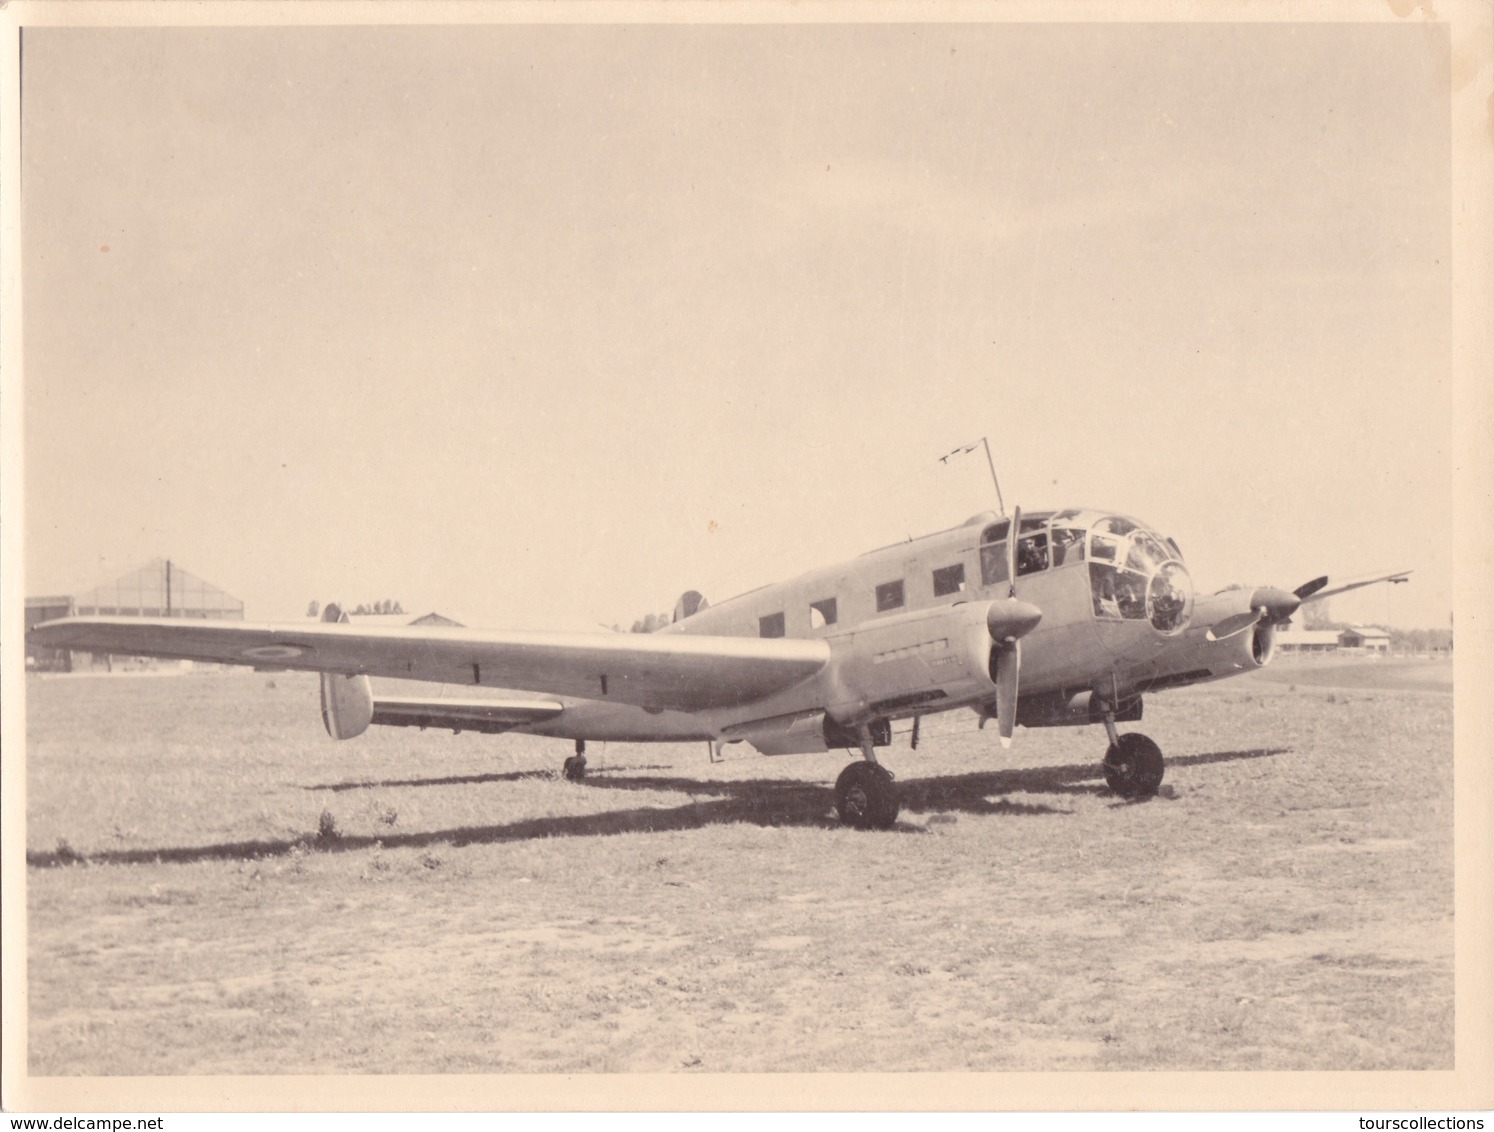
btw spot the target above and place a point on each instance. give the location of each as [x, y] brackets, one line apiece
[541, 326]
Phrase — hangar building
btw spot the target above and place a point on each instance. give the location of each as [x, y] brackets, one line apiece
[39, 609]
[160, 588]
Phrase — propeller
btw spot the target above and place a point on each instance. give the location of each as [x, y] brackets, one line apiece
[1277, 605]
[1307, 589]
[1009, 620]
[1268, 603]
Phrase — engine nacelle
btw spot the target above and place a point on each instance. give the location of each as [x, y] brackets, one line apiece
[804, 733]
[1077, 710]
[896, 666]
[347, 705]
[1263, 643]
[347, 701]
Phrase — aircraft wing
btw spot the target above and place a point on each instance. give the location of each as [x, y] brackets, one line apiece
[1329, 585]
[658, 671]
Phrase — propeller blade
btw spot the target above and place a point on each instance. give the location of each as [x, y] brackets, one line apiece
[1222, 630]
[1008, 671]
[1011, 550]
[1307, 589]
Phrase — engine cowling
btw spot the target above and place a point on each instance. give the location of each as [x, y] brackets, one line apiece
[896, 666]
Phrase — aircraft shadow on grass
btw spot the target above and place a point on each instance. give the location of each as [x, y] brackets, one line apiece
[461, 779]
[763, 802]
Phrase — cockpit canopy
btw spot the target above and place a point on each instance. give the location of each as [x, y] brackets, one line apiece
[1135, 574]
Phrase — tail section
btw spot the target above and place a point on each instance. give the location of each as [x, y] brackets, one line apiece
[347, 701]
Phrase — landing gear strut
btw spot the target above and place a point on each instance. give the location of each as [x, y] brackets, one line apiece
[1133, 764]
[574, 768]
[865, 797]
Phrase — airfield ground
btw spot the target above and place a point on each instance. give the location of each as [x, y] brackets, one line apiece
[1285, 903]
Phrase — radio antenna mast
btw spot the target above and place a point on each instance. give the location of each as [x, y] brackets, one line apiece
[992, 465]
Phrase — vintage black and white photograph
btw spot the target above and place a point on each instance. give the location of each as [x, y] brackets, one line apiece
[712, 548]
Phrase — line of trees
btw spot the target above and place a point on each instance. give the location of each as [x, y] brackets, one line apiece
[388, 605]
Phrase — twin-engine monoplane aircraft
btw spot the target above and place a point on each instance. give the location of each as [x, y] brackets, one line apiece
[1083, 612]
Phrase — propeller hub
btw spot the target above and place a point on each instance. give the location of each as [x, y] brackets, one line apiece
[1278, 604]
[1008, 619]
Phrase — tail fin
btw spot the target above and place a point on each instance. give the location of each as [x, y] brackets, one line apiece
[347, 701]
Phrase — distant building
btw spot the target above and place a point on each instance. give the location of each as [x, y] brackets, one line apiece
[39, 609]
[160, 588]
[1294, 640]
[434, 618]
[401, 618]
[1369, 640]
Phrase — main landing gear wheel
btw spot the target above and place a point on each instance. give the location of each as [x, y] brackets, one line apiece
[1133, 766]
[865, 797]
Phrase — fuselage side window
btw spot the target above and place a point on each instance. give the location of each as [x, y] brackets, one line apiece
[822, 613]
[771, 625]
[949, 580]
[890, 596]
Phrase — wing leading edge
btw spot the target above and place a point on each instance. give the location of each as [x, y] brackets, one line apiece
[674, 671]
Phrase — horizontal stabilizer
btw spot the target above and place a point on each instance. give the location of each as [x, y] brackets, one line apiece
[490, 716]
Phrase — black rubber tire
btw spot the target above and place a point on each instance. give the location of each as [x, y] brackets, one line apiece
[574, 769]
[865, 797]
[1134, 768]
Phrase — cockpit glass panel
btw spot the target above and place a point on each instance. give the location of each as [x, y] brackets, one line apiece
[1115, 525]
[993, 553]
[1032, 553]
[993, 564]
[1068, 546]
[996, 532]
[1137, 576]
[1145, 553]
[1064, 517]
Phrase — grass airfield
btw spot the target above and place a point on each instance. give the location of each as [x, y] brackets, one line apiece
[215, 886]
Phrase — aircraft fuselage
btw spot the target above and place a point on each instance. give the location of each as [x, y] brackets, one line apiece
[906, 634]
